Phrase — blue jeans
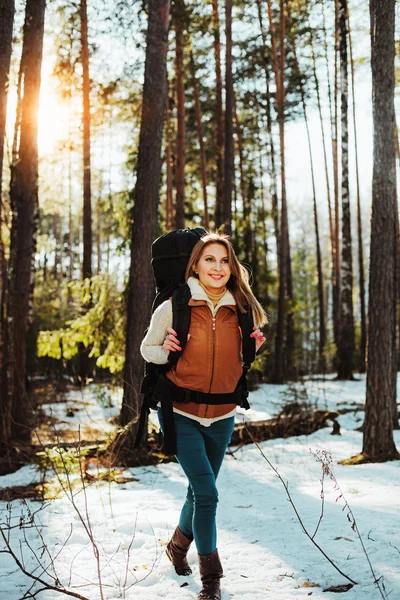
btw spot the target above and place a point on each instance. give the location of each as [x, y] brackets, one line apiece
[201, 451]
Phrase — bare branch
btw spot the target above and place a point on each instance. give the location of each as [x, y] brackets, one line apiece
[286, 486]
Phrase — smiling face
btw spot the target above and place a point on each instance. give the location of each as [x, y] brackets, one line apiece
[213, 268]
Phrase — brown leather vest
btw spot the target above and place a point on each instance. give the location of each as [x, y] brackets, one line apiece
[211, 359]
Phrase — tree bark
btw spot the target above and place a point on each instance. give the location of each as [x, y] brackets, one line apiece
[321, 121]
[271, 154]
[99, 241]
[263, 218]
[147, 192]
[180, 137]
[321, 299]
[378, 443]
[284, 349]
[6, 29]
[336, 281]
[229, 158]
[219, 117]
[279, 367]
[346, 338]
[87, 193]
[361, 280]
[246, 203]
[200, 137]
[169, 209]
[397, 225]
[16, 409]
[290, 366]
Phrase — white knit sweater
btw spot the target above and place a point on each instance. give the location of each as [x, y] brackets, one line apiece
[152, 344]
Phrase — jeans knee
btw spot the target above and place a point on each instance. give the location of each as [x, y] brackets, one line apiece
[207, 497]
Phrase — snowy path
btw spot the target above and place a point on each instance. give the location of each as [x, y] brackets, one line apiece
[264, 552]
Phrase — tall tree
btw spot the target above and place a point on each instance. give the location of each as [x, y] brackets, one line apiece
[247, 230]
[321, 118]
[361, 280]
[87, 192]
[219, 117]
[378, 443]
[321, 299]
[346, 337]
[169, 204]
[179, 17]
[271, 146]
[336, 275]
[229, 158]
[145, 211]
[6, 28]
[24, 204]
[200, 136]
[284, 346]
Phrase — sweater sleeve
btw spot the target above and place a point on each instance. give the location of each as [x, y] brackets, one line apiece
[151, 347]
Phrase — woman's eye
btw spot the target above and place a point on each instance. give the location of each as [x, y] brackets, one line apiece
[209, 259]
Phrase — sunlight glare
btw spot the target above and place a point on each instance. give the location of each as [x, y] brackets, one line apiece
[54, 119]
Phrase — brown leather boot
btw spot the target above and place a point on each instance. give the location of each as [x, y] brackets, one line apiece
[177, 549]
[210, 573]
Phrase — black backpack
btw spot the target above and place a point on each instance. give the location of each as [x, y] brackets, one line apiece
[170, 256]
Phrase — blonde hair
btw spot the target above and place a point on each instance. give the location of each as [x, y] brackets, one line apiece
[238, 283]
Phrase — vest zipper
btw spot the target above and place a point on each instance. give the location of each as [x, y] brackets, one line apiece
[213, 351]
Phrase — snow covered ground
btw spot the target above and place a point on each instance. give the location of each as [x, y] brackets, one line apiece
[264, 551]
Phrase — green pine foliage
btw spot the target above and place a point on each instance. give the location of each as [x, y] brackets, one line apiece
[100, 328]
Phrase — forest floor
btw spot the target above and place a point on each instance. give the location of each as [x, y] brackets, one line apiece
[82, 508]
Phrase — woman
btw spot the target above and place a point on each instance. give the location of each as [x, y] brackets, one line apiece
[210, 363]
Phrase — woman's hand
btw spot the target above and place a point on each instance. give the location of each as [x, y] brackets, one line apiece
[171, 342]
[260, 339]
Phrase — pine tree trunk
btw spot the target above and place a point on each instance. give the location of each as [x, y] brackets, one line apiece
[229, 158]
[321, 121]
[321, 299]
[145, 212]
[58, 253]
[279, 367]
[336, 282]
[378, 443]
[56, 264]
[271, 147]
[60, 273]
[219, 117]
[246, 223]
[169, 209]
[70, 232]
[16, 409]
[99, 218]
[180, 137]
[264, 291]
[87, 193]
[6, 28]
[361, 282]
[346, 339]
[396, 212]
[333, 216]
[291, 369]
[284, 353]
[200, 137]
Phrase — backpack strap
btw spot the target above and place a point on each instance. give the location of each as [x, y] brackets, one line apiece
[181, 312]
[246, 323]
